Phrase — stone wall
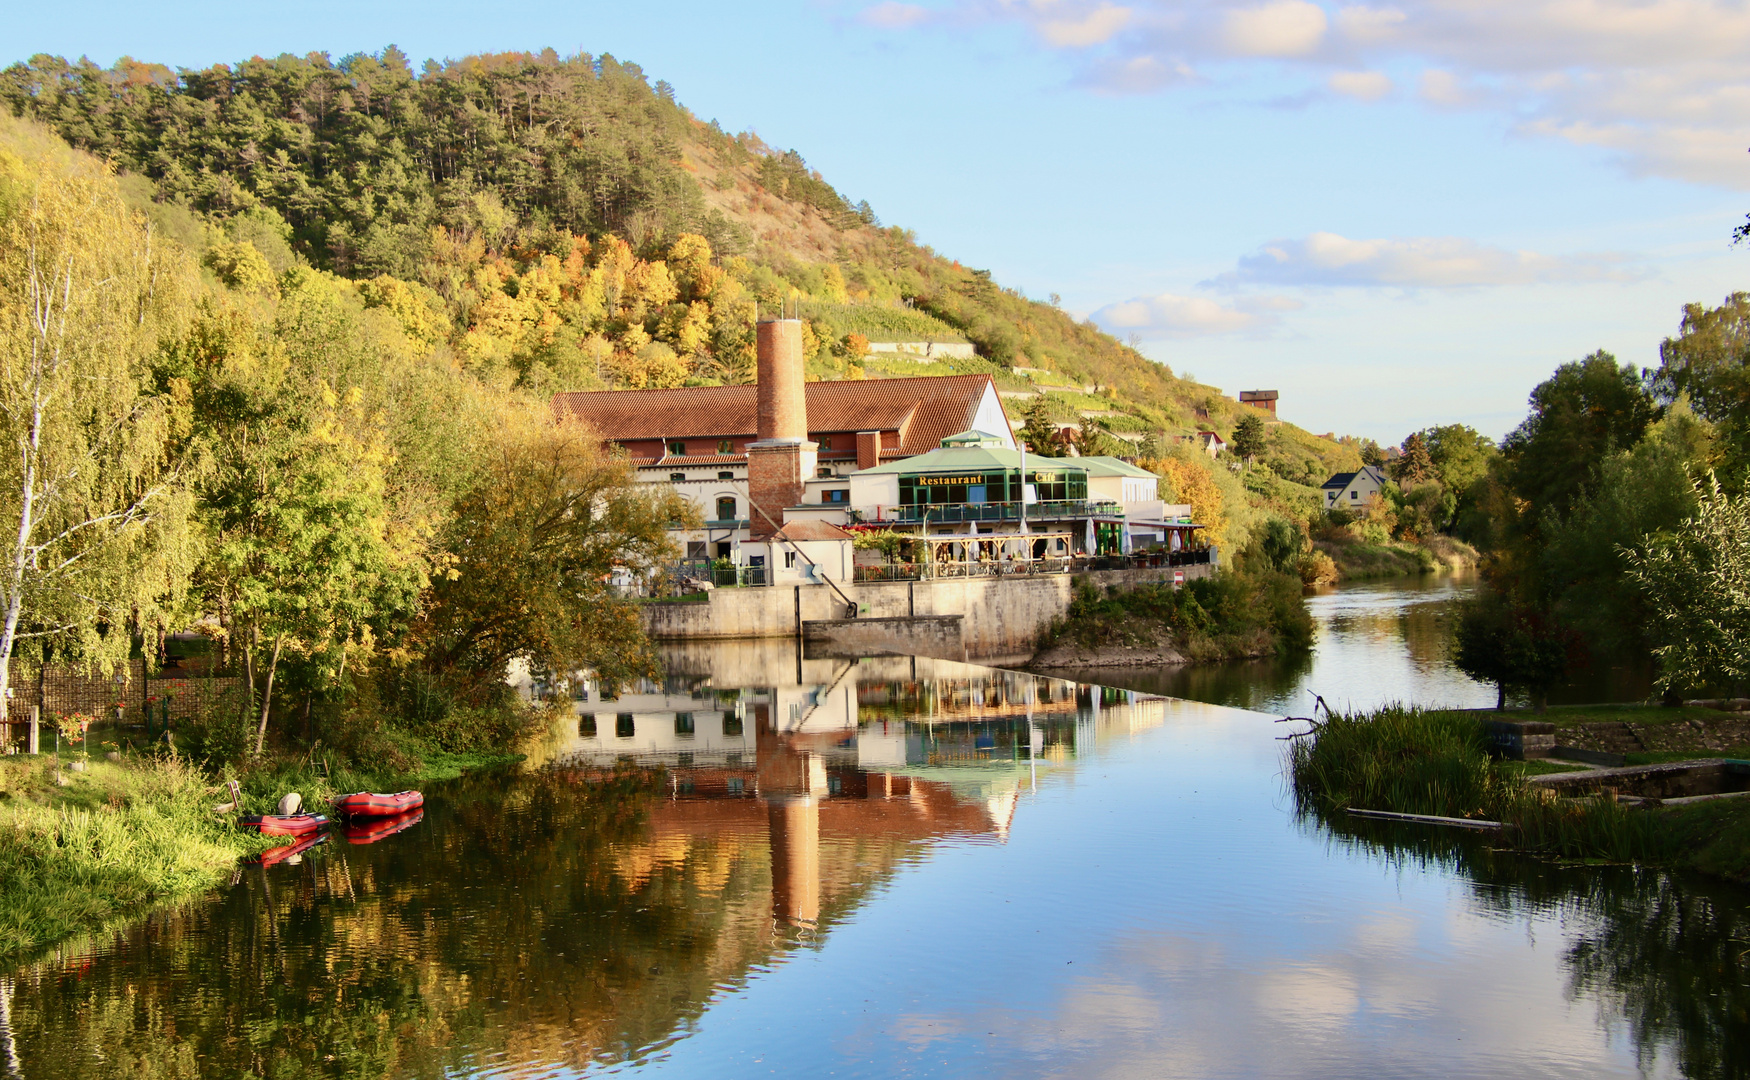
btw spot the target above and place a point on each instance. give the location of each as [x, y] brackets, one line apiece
[1002, 616]
[919, 635]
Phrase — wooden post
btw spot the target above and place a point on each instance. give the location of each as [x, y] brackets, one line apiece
[34, 746]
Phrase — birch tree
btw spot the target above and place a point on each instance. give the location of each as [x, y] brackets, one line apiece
[94, 514]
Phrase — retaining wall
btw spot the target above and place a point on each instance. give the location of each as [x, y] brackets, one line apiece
[1002, 616]
[914, 635]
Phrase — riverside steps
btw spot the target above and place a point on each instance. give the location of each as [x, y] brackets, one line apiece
[995, 618]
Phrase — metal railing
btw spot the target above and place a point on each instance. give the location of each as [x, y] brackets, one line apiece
[948, 513]
[925, 571]
[683, 578]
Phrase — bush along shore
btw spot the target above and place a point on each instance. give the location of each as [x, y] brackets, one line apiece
[89, 843]
[1414, 761]
[1253, 610]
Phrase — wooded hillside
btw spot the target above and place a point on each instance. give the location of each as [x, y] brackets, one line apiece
[562, 223]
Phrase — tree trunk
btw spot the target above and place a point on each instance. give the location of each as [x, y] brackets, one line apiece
[249, 670]
[1500, 697]
[267, 695]
[1540, 698]
[21, 550]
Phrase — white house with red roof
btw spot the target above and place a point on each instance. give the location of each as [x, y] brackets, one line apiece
[696, 439]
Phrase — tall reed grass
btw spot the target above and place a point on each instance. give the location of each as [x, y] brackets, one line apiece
[1417, 761]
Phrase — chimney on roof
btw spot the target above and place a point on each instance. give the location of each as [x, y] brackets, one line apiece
[781, 461]
[783, 414]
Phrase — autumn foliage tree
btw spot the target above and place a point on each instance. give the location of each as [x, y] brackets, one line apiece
[94, 503]
[533, 549]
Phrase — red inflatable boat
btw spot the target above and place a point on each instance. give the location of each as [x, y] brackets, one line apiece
[277, 825]
[370, 830]
[370, 804]
[280, 854]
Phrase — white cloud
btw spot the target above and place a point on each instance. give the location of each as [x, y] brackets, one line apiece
[1664, 85]
[1166, 315]
[1365, 85]
[1284, 28]
[1435, 262]
[1136, 75]
[893, 15]
[1092, 28]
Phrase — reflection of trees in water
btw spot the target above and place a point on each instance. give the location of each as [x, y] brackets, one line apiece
[1242, 684]
[537, 920]
[1668, 955]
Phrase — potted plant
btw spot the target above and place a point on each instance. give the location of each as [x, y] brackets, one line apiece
[69, 726]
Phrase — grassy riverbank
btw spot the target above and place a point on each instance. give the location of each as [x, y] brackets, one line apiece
[1235, 614]
[1359, 560]
[117, 840]
[88, 851]
[1426, 762]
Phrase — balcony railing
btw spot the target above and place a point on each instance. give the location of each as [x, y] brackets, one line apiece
[923, 571]
[1055, 510]
[682, 578]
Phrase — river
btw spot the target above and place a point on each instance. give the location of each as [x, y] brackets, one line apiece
[903, 867]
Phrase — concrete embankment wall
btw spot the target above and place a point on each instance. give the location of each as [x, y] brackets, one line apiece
[1001, 617]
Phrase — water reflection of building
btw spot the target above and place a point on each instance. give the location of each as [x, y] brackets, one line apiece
[903, 749]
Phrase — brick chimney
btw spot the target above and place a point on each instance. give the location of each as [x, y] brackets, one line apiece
[781, 461]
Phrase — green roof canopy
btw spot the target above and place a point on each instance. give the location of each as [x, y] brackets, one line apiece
[959, 459]
[974, 437]
[1111, 466]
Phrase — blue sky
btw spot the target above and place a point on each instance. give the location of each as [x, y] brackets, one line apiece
[1397, 214]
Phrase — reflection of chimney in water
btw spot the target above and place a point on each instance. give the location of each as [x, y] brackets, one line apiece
[792, 782]
[795, 839]
[781, 461]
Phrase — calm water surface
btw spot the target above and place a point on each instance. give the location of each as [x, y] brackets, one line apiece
[918, 868]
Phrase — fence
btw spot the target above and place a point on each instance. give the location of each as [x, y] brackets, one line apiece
[60, 689]
[1051, 510]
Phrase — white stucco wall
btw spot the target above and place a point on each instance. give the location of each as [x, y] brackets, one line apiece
[991, 418]
[960, 350]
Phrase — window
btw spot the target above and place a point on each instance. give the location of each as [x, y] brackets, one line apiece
[677, 447]
[683, 724]
[835, 785]
[724, 447]
[586, 726]
[789, 560]
[835, 495]
[731, 725]
[676, 477]
[726, 508]
[826, 442]
[823, 473]
[624, 727]
[686, 787]
[725, 475]
[696, 549]
[1355, 495]
[735, 785]
[685, 760]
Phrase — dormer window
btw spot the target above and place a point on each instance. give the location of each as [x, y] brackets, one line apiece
[826, 442]
[823, 473]
[725, 447]
[677, 448]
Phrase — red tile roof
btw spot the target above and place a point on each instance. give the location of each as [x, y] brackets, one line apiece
[923, 410]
